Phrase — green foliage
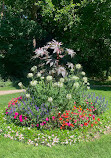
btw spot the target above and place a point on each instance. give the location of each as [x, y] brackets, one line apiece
[16, 41]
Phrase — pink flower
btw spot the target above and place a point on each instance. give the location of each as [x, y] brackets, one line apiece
[16, 113]
[91, 103]
[93, 116]
[47, 119]
[6, 109]
[81, 125]
[6, 112]
[20, 118]
[15, 117]
[41, 124]
[80, 116]
[75, 121]
[79, 110]
[53, 117]
[92, 107]
[87, 102]
[74, 102]
[44, 122]
[25, 118]
[87, 118]
[37, 125]
[68, 123]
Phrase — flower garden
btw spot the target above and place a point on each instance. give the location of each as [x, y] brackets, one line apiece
[56, 107]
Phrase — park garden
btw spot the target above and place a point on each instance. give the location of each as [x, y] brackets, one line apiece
[59, 54]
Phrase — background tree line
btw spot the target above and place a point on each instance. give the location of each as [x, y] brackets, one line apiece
[82, 25]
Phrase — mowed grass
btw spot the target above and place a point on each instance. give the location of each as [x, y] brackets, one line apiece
[100, 148]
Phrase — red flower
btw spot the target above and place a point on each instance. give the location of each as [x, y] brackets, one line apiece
[93, 118]
[67, 113]
[66, 116]
[98, 119]
[91, 125]
[90, 115]
[67, 120]
[85, 124]
[90, 110]
[95, 122]
[60, 118]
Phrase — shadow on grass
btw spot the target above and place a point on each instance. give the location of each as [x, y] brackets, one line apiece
[101, 88]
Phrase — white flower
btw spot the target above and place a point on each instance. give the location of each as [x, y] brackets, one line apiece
[50, 99]
[61, 79]
[38, 74]
[39, 52]
[33, 83]
[83, 73]
[88, 83]
[36, 144]
[30, 75]
[88, 87]
[49, 78]
[75, 78]
[76, 84]
[71, 52]
[78, 66]
[34, 68]
[20, 84]
[85, 79]
[61, 70]
[68, 96]
[27, 95]
[60, 84]
[42, 78]
[55, 84]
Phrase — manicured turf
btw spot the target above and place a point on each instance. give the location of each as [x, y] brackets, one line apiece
[98, 149]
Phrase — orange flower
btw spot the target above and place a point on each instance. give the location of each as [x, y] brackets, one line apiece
[63, 121]
[79, 106]
[67, 120]
[71, 112]
[72, 125]
[81, 109]
[98, 119]
[60, 127]
[60, 118]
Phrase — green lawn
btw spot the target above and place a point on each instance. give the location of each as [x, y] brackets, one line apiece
[98, 149]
